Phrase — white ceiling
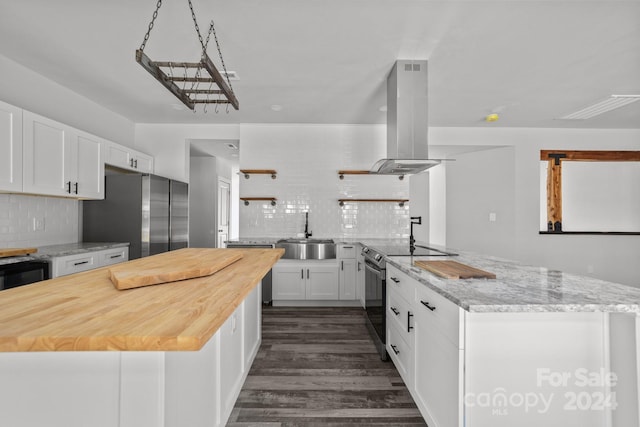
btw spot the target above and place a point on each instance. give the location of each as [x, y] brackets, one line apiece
[326, 61]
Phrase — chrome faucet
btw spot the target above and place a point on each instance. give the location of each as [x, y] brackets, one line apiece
[307, 233]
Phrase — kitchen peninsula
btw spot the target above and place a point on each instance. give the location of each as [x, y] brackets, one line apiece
[83, 353]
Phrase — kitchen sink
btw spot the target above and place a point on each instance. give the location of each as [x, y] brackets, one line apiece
[307, 248]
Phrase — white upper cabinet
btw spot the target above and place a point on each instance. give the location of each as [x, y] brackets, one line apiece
[127, 158]
[60, 160]
[10, 148]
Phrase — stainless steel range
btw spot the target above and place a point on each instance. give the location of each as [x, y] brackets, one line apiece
[376, 285]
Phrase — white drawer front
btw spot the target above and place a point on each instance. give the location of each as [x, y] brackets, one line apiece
[113, 256]
[74, 264]
[444, 314]
[400, 314]
[400, 283]
[401, 354]
[346, 250]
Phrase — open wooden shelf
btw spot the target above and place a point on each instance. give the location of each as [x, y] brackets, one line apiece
[248, 172]
[401, 202]
[255, 199]
[342, 173]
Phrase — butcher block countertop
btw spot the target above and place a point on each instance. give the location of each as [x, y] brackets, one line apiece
[85, 312]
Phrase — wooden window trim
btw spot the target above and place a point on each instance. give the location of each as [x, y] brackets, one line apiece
[554, 178]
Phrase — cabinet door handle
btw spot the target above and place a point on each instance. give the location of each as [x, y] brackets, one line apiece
[302, 273]
[131, 162]
[426, 304]
[395, 280]
[69, 187]
[395, 349]
[136, 164]
[115, 256]
[81, 262]
[409, 316]
[347, 247]
[76, 187]
[307, 273]
[341, 265]
[395, 311]
[359, 266]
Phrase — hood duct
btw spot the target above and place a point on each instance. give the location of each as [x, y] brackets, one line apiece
[407, 124]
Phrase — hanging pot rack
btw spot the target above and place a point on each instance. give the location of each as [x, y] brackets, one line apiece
[199, 73]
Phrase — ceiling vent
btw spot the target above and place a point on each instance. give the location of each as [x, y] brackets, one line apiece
[601, 107]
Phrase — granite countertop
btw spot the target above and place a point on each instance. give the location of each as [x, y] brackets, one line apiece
[52, 251]
[523, 288]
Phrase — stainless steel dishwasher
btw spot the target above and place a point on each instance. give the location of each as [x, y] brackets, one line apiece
[266, 280]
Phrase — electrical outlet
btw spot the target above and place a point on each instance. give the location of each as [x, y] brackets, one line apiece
[38, 224]
[492, 217]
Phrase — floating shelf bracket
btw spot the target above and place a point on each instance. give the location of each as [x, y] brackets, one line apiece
[255, 199]
[248, 172]
[400, 202]
[342, 173]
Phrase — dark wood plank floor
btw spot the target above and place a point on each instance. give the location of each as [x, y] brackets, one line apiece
[318, 366]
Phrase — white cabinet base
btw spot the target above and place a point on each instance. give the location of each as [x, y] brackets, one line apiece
[132, 389]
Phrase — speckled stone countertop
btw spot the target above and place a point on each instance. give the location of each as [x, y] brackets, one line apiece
[52, 251]
[522, 288]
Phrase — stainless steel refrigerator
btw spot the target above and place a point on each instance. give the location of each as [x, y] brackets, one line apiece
[148, 211]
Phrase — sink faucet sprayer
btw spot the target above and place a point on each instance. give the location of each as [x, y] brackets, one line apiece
[412, 242]
[307, 233]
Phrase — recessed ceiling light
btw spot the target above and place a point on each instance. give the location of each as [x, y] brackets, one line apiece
[276, 107]
[603, 106]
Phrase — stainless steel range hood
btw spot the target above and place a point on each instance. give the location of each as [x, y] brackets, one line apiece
[407, 127]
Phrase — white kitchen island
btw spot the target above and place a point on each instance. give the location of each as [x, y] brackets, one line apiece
[533, 347]
[74, 351]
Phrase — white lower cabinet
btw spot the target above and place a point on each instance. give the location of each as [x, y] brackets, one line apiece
[504, 369]
[134, 388]
[437, 372]
[306, 280]
[69, 264]
[360, 276]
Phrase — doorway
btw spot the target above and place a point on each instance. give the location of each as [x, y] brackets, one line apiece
[224, 211]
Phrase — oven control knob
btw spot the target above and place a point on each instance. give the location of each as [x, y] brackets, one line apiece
[365, 250]
[378, 257]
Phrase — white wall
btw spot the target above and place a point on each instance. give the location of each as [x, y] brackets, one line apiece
[613, 258]
[31, 91]
[169, 144]
[307, 159]
[59, 218]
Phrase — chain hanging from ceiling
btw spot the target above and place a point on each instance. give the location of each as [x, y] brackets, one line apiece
[184, 79]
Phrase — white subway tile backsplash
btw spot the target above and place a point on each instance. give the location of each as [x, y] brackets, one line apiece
[58, 219]
[307, 159]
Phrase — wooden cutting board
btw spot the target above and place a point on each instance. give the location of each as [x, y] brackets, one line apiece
[454, 270]
[181, 264]
[6, 252]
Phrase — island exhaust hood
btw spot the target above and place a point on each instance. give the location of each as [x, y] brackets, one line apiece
[407, 127]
